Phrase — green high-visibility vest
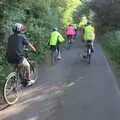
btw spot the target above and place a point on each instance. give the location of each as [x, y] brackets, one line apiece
[89, 33]
[75, 26]
[83, 22]
[55, 37]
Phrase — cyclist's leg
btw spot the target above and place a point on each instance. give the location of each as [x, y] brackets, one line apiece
[58, 50]
[92, 44]
[15, 67]
[74, 36]
[53, 53]
[75, 33]
[71, 38]
[82, 35]
[85, 49]
[26, 65]
[68, 41]
[68, 38]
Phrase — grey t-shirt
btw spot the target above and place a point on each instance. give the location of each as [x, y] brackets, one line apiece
[15, 49]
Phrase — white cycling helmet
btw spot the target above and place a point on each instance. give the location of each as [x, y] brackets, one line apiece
[84, 17]
[18, 27]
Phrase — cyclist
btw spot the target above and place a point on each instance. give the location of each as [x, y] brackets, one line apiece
[89, 34]
[55, 39]
[15, 50]
[81, 25]
[75, 26]
[83, 22]
[70, 32]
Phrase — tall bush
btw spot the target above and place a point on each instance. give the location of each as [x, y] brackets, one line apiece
[39, 17]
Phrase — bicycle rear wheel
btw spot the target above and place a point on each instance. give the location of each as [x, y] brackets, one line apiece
[89, 59]
[11, 89]
[89, 55]
[69, 44]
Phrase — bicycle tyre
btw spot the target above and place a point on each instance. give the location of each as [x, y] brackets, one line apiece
[34, 71]
[89, 55]
[89, 59]
[69, 44]
[12, 78]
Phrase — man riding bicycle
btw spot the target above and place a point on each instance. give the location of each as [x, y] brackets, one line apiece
[75, 26]
[15, 50]
[55, 40]
[70, 32]
[81, 25]
[89, 34]
[83, 22]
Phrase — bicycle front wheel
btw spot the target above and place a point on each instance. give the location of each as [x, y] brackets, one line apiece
[11, 90]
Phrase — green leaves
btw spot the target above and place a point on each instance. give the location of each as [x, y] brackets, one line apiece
[111, 44]
[39, 17]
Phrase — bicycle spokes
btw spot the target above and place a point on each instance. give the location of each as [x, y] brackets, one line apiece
[11, 89]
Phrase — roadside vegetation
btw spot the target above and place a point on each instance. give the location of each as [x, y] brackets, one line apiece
[105, 16]
[39, 17]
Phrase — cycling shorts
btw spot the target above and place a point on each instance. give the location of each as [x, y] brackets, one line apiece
[69, 37]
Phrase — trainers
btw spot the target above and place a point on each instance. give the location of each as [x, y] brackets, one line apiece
[84, 56]
[92, 50]
[31, 82]
[59, 57]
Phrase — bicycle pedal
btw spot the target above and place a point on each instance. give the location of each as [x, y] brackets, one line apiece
[24, 83]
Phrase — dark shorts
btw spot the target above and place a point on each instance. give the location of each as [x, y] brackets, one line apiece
[69, 37]
[17, 60]
[75, 31]
[53, 47]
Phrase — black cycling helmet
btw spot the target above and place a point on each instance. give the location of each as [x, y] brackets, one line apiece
[55, 28]
[18, 27]
[89, 23]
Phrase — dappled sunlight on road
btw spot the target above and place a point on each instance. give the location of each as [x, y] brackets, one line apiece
[34, 118]
[33, 96]
[11, 111]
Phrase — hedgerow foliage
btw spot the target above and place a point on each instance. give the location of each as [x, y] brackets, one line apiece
[39, 17]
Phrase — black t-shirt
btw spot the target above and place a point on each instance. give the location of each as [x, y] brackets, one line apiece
[15, 49]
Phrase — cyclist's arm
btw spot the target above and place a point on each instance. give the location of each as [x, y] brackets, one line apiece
[60, 38]
[27, 43]
[48, 43]
[83, 30]
[32, 47]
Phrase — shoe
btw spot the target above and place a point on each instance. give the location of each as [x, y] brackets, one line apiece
[92, 50]
[84, 56]
[59, 57]
[31, 82]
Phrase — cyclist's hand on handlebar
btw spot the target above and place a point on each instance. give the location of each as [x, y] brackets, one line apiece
[34, 50]
[32, 47]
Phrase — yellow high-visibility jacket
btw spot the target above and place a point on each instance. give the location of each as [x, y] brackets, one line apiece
[89, 33]
[55, 37]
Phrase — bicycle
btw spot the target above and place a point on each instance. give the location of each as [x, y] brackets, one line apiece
[69, 42]
[16, 80]
[55, 55]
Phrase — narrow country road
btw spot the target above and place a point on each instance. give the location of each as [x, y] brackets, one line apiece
[70, 90]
